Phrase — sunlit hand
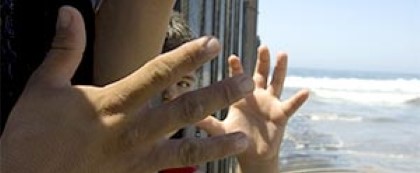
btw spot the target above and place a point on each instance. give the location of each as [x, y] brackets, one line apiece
[57, 127]
[261, 116]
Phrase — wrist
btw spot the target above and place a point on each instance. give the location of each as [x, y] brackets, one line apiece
[264, 166]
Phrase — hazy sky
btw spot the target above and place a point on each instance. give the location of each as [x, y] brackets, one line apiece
[378, 35]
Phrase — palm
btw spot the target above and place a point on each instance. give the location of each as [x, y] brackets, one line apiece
[261, 115]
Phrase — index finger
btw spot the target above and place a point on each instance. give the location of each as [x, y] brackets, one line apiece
[134, 90]
[191, 107]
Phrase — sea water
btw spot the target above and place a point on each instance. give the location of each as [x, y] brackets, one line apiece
[353, 122]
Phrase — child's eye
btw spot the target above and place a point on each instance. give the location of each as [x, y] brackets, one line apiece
[184, 84]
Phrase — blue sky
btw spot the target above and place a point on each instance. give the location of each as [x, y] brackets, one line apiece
[367, 35]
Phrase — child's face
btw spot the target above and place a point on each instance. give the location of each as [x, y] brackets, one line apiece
[186, 84]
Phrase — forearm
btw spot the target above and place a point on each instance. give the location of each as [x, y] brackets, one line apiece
[271, 166]
[131, 30]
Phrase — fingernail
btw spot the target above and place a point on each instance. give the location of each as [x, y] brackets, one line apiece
[241, 141]
[64, 18]
[212, 46]
[246, 84]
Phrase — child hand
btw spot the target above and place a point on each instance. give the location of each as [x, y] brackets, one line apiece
[261, 115]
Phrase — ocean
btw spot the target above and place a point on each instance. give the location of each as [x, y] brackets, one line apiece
[353, 122]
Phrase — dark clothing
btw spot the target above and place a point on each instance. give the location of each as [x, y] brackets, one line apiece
[28, 27]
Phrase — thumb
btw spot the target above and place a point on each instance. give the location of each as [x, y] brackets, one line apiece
[212, 126]
[66, 50]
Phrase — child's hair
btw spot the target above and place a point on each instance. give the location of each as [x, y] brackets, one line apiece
[178, 33]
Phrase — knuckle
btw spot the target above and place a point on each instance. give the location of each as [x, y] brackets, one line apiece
[190, 152]
[67, 41]
[290, 109]
[162, 71]
[191, 108]
[111, 102]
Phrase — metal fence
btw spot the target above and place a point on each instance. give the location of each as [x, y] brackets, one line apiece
[234, 23]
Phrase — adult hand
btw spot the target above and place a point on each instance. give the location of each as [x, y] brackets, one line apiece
[261, 116]
[57, 127]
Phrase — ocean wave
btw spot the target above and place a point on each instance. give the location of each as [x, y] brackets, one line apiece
[311, 140]
[355, 84]
[334, 117]
[366, 97]
[380, 155]
[395, 91]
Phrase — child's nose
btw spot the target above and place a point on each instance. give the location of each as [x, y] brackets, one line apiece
[168, 95]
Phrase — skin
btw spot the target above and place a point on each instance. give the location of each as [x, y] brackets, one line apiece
[57, 127]
[261, 115]
[118, 23]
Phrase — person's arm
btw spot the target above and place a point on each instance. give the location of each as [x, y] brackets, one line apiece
[268, 166]
[58, 127]
[128, 34]
[261, 116]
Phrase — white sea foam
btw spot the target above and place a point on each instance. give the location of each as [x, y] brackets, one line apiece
[369, 91]
[333, 117]
[380, 155]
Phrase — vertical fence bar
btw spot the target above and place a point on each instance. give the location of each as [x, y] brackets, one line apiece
[233, 22]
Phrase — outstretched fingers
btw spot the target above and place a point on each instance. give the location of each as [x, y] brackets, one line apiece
[189, 152]
[262, 67]
[194, 106]
[279, 74]
[134, 90]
